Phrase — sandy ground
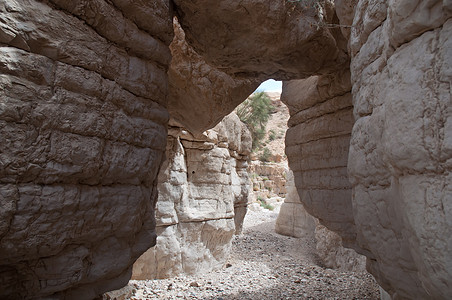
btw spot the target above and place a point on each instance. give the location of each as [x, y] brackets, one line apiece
[264, 265]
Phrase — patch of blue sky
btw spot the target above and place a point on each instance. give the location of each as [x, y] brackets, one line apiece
[270, 86]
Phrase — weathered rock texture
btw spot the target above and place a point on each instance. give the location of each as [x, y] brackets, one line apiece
[84, 85]
[401, 147]
[265, 39]
[294, 220]
[203, 192]
[317, 144]
[201, 95]
[82, 135]
[333, 255]
[268, 179]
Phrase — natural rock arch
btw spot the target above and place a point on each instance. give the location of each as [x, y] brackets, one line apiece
[85, 108]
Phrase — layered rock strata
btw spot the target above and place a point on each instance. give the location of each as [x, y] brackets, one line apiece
[317, 144]
[82, 136]
[401, 150]
[84, 87]
[203, 192]
[269, 179]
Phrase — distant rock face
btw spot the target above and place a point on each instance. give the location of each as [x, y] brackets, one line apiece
[82, 136]
[203, 192]
[269, 179]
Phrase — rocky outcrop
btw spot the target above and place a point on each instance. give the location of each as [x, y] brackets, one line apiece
[82, 136]
[317, 144]
[201, 95]
[264, 39]
[268, 179]
[203, 192]
[84, 88]
[400, 151]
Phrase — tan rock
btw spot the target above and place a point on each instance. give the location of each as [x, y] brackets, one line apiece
[294, 220]
[399, 153]
[200, 94]
[82, 136]
[203, 196]
[276, 39]
[317, 145]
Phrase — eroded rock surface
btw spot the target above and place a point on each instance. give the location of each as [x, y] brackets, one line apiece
[265, 39]
[317, 144]
[401, 150]
[203, 193]
[201, 95]
[82, 136]
[84, 88]
[294, 220]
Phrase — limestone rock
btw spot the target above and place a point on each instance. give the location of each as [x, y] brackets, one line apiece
[400, 152]
[294, 220]
[317, 145]
[268, 179]
[203, 195]
[82, 136]
[266, 39]
[200, 94]
[333, 255]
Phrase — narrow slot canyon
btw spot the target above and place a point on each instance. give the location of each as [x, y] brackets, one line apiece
[123, 154]
[303, 261]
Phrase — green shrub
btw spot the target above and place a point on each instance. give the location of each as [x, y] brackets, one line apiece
[265, 155]
[266, 205]
[254, 112]
[271, 135]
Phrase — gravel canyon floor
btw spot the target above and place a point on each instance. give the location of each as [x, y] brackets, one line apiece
[264, 265]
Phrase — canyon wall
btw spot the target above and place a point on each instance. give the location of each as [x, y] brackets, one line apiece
[317, 147]
[83, 132]
[401, 151]
[317, 144]
[84, 97]
[203, 193]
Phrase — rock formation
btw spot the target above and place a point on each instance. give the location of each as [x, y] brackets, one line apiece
[201, 95]
[84, 99]
[264, 39]
[317, 144]
[203, 192]
[82, 136]
[294, 220]
[400, 151]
